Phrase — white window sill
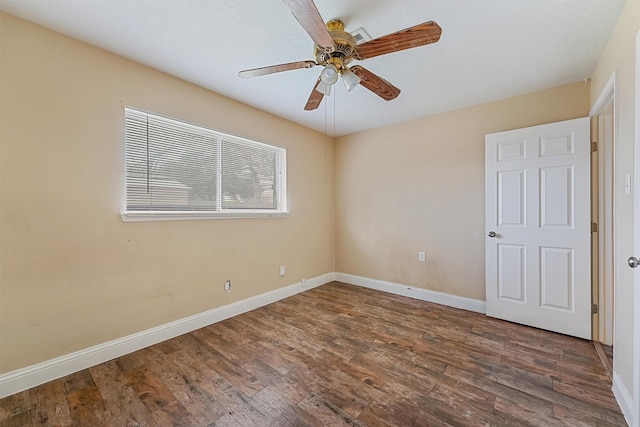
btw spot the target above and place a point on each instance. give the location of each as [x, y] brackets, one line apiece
[182, 216]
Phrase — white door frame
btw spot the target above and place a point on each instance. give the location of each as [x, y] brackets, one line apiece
[609, 94]
[604, 263]
[636, 285]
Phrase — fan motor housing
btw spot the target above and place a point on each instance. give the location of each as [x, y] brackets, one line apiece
[344, 45]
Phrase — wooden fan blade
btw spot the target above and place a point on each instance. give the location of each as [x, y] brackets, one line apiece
[307, 14]
[255, 72]
[418, 35]
[375, 84]
[314, 99]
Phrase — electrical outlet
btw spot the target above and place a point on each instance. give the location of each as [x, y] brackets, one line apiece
[422, 257]
[227, 285]
[303, 282]
[282, 270]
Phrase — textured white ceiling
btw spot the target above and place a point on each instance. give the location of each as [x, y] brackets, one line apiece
[489, 49]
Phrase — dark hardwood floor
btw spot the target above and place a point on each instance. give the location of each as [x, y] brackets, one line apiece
[337, 355]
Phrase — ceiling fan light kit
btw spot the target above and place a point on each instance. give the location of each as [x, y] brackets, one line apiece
[350, 79]
[329, 74]
[335, 49]
[323, 88]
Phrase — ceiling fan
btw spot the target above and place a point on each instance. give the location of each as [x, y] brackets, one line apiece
[336, 48]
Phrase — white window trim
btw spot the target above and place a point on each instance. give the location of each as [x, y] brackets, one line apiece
[178, 216]
[143, 216]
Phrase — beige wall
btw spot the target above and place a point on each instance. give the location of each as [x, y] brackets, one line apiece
[72, 273]
[619, 56]
[419, 186]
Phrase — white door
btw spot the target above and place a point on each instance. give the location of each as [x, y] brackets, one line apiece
[538, 243]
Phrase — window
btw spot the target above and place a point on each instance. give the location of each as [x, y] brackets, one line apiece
[176, 170]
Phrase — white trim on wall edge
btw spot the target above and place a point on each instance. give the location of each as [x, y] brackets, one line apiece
[449, 300]
[608, 91]
[623, 397]
[31, 376]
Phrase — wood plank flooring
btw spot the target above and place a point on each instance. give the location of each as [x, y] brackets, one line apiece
[337, 355]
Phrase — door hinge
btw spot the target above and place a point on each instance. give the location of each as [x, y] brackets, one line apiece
[594, 146]
[594, 227]
[594, 308]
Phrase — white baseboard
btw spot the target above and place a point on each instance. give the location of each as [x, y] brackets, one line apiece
[623, 397]
[31, 376]
[449, 300]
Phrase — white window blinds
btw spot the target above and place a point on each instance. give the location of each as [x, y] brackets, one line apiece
[174, 167]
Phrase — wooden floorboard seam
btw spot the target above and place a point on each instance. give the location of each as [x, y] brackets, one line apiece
[338, 355]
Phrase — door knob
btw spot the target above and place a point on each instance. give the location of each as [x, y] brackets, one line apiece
[492, 234]
[633, 262]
